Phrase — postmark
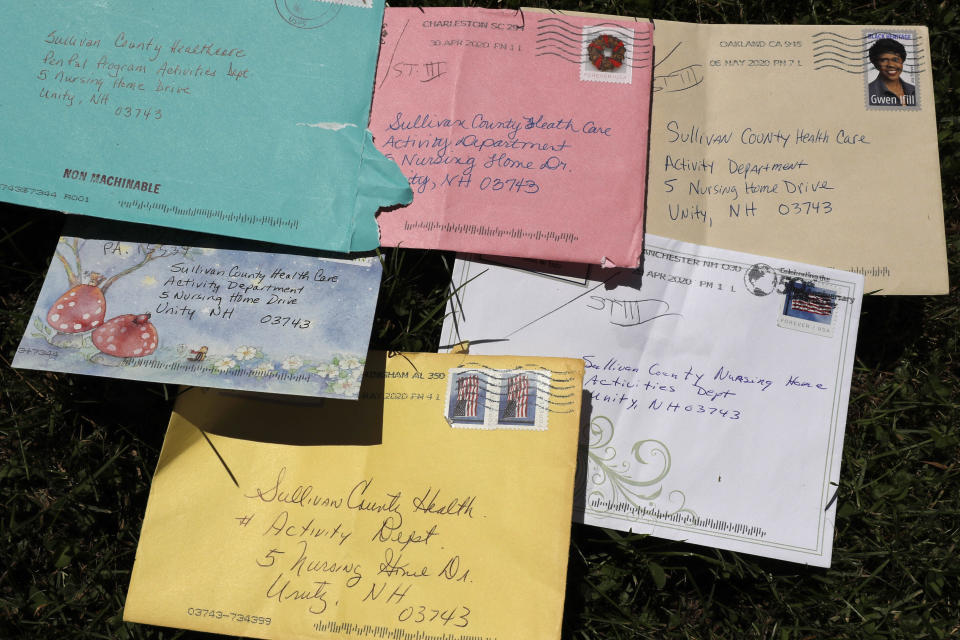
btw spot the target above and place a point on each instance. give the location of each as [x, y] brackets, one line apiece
[607, 54]
[312, 14]
[479, 397]
[887, 63]
[892, 62]
[760, 279]
[600, 52]
[809, 300]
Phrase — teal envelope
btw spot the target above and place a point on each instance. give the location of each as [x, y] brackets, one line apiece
[246, 119]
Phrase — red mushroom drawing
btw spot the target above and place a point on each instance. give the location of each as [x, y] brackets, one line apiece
[80, 309]
[126, 336]
[83, 306]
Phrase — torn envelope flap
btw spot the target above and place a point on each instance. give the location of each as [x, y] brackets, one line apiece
[381, 184]
[275, 115]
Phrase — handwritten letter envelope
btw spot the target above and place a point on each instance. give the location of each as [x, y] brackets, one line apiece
[521, 133]
[718, 389]
[243, 119]
[171, 311]
[783, 141]
[436, 506]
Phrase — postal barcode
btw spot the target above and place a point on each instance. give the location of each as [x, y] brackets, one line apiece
[687, 519]
[484, 230]
[878, 271]
[391, 633]
[244, 218]
[178, 366]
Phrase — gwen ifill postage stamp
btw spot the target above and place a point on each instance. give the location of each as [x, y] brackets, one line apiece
[892, 63]
[480, 397]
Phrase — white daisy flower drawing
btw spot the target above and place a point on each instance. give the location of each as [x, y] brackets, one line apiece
[223, 364]
[292, 363]
[349, 362]
[346, 386]
[328, 370]
[244, 352]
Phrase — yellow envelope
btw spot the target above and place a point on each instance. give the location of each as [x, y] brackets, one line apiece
[436, 506]
[780, 140]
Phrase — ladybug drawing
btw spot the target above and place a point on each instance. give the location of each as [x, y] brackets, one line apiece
[198, 355]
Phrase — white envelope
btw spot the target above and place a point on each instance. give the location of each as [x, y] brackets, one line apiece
[718, 389]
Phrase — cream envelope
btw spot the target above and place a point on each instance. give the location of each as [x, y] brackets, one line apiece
[778, 140]
[438, 505]
[522, 133]
[718, 388]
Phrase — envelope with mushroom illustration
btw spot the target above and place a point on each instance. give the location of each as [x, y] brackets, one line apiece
[436, 506]
[143, 303]
[243, 119]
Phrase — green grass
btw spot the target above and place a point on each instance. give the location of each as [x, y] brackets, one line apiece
[77, 453]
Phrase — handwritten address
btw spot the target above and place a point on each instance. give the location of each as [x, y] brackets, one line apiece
[711, 176]
[315, 547]
[659, 387]
[437, 151]
[132, 75]
[193, 288]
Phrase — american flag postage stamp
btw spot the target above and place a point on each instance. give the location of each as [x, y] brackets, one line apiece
[807, 307]
[521, 399]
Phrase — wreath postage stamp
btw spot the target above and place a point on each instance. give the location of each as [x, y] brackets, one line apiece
[607, 54]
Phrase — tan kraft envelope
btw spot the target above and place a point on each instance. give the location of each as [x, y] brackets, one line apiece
[778, 140]
[436, 506]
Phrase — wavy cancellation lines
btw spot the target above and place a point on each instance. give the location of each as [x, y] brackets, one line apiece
[557, 37]
[832, 50]
[554, 392]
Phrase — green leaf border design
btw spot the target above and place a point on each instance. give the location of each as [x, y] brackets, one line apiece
[617, 481]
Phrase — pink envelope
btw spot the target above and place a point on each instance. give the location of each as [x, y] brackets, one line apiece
[522, 133]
